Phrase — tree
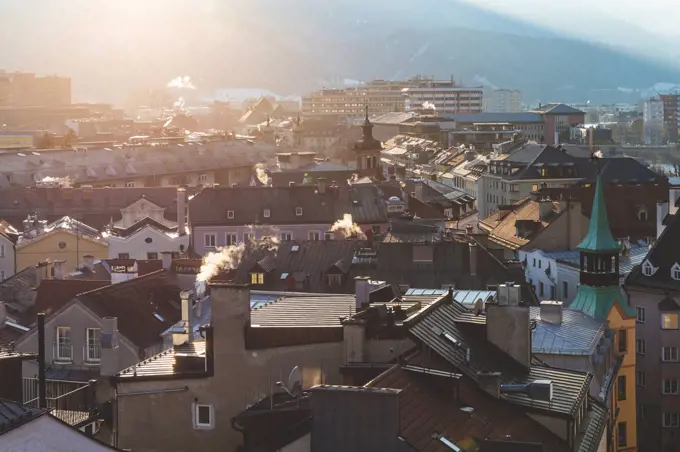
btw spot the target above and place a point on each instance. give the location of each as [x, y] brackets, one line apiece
[69, 138]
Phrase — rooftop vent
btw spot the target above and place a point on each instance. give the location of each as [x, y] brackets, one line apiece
[536, 390]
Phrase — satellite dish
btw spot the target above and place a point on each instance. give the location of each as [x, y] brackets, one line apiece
[294, 384]
[478, 306]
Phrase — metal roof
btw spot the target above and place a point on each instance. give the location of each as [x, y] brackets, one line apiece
[164, 362]
[578, 334]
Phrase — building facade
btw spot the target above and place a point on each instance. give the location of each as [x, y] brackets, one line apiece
[503, 101]
[22, 89]
[654, 290]
[671, 103]
[652, 121]
[443, 97]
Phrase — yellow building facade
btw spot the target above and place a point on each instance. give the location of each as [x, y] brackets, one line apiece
[59, 245]
[600, 297]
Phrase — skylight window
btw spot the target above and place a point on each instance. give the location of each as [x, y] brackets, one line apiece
[448, 443]
[159, 317]
[295, 248]
[267, 213]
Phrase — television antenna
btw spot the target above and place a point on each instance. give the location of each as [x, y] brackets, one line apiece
[294, 384]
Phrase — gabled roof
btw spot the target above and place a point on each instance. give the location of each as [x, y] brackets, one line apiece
[53, 294]
[662, 257]
[570, 387]
[145, 306]
[21, 281]
[427, 409]
[559, 109]
[363, 202]
[599, 238]
[149, 222]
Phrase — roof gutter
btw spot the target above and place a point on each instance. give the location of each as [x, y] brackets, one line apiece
[152, 391]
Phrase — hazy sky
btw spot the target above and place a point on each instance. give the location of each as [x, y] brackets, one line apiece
[654, 16]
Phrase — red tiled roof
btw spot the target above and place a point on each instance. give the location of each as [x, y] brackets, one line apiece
[427, 408]
[145, 306]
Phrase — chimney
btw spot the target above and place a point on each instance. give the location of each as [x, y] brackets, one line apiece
[109, 364]
[291, 184]
[354, 341]
[59, 270]
[41, 272]
[181, 210]
[490, 382]
[474, 258]
[88, 262]
[361, 291]
[230, 316]
[551, 312]
[166, 260]
[509, 328]
[186, 333]
[321, 185]
[545, 209]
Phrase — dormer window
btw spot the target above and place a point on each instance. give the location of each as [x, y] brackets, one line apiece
[642, 214]
[298, 211]
[648, 269]
[675, 272]
[230, 214]
[267, 213]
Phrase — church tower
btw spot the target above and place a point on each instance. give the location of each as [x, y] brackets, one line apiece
[367, 151]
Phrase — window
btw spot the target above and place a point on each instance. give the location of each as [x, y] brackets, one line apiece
[230, 214]
[621, 387]
[640, 346]
[129, 185]
[64, 351]
[203, 416]
[123, 255]
[298, 211]
[152, 256]
[539, 263]
[286, 236]
[2, 251]
[641, 411]
[675, 271]
[203, 178]
[669, 354]
[669, 321]
[647, 269]
[640, 378]
[231, 239]
[314, 235]
[669, 386]
[671, 420]
[622, 434]
[541, 287]
[94, 336]
[534, 261]
[257, 278]
[209, 240]
[623, 341]
[267, 213]
[334, 280]
[565, 290]
[640, 315]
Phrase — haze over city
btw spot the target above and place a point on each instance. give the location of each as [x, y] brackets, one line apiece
[339, 226]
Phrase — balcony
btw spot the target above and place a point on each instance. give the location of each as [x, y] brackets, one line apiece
[73, 403]
[62, 352]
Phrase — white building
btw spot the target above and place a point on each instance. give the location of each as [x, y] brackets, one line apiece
[7, 260]
[148, 242]
[554, 275]
[652, 118]
[502, 101]
[444, 98]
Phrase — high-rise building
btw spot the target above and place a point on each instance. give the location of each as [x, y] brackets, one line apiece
[653, 121]
[502, 100]
[442, 97]
[670, 116]
[23, 89]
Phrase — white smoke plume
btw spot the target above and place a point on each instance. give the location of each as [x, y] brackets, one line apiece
[183, 82]
[429, 106]
[597, 154]
[228, 258]
[261, 174]
[59, 181]
[348, 228]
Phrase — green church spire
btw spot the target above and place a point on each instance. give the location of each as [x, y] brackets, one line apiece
[599, 238]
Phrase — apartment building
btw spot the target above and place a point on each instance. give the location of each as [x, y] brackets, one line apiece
[652, 121]
[671, 103]
[502, 100]
[654, 291]
[23, 89]
[443, 97]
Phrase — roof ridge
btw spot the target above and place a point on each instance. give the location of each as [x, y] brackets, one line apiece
[128, 282]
